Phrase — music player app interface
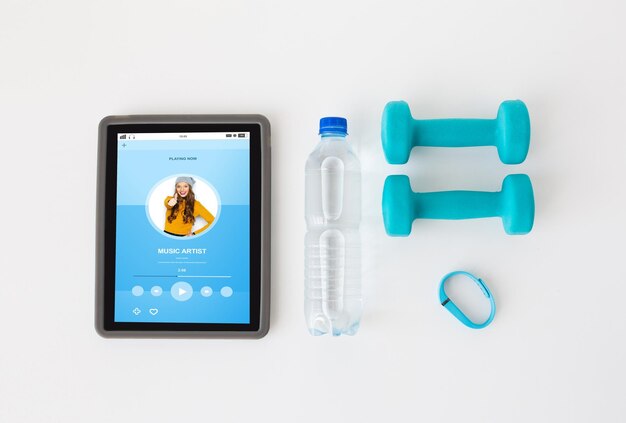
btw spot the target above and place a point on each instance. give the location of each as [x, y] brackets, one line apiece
[183, 228]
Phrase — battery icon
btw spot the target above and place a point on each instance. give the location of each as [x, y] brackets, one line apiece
[241, 135]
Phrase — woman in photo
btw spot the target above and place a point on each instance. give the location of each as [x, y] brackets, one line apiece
[183, 208]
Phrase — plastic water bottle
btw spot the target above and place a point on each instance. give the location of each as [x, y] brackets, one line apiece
[332, 245]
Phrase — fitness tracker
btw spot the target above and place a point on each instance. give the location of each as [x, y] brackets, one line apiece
[456, 312]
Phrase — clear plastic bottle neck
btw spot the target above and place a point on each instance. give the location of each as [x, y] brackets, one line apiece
[332, 137]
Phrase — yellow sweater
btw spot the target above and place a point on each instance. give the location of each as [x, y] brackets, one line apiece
[179, 227]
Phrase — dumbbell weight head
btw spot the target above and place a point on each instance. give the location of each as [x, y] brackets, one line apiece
[517, 204]
[512, 131]
[398, 214]
[397, 132]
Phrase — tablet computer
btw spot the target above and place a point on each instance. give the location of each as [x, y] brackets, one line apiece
[183, 226]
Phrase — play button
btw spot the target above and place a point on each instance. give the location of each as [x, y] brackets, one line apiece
[181, 291]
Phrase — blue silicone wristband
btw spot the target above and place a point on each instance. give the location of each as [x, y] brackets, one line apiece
[456, 312]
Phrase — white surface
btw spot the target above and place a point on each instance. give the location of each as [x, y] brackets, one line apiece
[556, 349]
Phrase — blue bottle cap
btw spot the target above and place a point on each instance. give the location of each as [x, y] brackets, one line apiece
[333, 126]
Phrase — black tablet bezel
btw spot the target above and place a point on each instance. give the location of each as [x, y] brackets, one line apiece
[109, 325]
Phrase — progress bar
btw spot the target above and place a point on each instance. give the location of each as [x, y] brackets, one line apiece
[183, 276]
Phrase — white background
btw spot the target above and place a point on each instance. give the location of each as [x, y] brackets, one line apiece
[556, 349]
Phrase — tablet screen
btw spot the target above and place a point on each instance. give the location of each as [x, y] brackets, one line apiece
[182, 228]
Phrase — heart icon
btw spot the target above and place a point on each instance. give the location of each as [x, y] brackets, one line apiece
[153, 311]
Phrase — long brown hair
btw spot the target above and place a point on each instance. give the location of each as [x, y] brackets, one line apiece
[190, 202]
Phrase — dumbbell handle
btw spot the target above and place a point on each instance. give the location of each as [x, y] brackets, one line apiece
[445, 132]
[454, 205]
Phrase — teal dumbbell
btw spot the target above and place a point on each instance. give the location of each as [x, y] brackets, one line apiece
[515, 204]
[509, 132]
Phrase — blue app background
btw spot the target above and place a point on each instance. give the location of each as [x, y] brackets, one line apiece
[225, 265]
